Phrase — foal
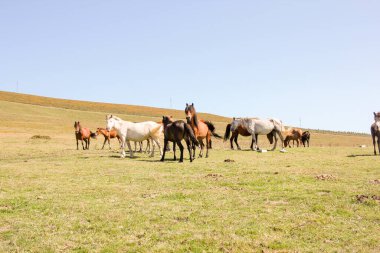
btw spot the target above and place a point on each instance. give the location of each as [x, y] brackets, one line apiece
[375, 132]
[108, 135]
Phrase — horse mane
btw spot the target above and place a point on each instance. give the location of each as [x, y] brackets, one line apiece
[113, 116]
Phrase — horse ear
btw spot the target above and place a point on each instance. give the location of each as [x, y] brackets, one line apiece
[374, 114]
[187, 104]
[171, 117]
[192, 104]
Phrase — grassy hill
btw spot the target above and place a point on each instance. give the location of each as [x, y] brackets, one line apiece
[54, 198]
[92, 115]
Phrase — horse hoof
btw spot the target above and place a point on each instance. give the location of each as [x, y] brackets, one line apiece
[180, 161]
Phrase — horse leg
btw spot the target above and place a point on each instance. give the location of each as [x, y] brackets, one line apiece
[275, 141]
[201, 151]
[122, 148]
[82, 144]
[188, 148]
[109, 143]
[104, 143]
[253, 141]
[130, 149]
[77, 144]
[257, 141]
[378, 143]
[180, 148]
[208, 139]
[175, 158]
[88, 143]
[163, 155]
[236, 141]
[157, 141]
[374, 143]
[231, 142]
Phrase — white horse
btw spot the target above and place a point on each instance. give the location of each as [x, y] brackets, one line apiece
[256, 126]
[129, 131]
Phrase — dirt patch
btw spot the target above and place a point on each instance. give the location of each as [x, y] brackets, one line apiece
[363, 198]
[229, 161]
[276, 202]
[40, 137]
[214, 176]
[325, 177]
[376, 181]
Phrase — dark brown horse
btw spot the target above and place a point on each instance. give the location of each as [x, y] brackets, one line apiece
[375, 132]
[243, 132]
[175, 132]
[83, 134]
[108, 135]
[202, 129]
[305, 138]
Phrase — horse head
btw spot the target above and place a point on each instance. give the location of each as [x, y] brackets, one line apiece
[167, 120]
[111, 121]
[376, 116]
[77, 127]
[191, 114]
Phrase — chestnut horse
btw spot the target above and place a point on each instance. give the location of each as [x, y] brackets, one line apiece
[293, 134]
[108, 135]
[83, 134]
[202, 129]
[375, 132]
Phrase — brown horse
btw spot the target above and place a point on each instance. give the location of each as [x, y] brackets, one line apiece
[293, 134]
[202, 129]
[108, 135]
[375, 132]
[83, 134]
[243, 132]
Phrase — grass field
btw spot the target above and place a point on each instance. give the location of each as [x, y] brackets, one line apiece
[54, 198]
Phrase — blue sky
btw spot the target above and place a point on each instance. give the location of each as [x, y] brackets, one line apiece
[318, 61]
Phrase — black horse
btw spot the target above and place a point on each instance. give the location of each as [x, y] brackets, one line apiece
[375, 132]
[175, 132]
[305, 138]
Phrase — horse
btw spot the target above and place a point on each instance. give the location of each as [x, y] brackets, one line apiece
[83, 134]
[375, 132]
[175, 132]
[202, 129]
[129, 131]
[108, 135]
[255, 126]
[242, 131]
[293, 134]
[305, 138]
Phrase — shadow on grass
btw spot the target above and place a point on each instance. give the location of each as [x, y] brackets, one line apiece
[360, 155]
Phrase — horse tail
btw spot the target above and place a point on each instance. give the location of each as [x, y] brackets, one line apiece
[93, 135]
[189, 131]
[211, 127]
[228, 132]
